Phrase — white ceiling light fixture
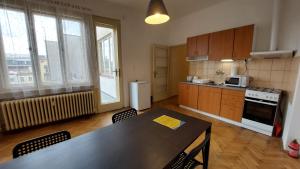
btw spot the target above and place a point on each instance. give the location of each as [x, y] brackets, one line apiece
[156, 13]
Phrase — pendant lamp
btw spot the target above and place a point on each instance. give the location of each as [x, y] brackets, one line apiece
[156, 13]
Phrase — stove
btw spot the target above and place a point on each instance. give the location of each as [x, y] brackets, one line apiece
[263, 93]
[261, 109]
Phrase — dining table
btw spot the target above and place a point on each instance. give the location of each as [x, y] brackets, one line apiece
[136, 143]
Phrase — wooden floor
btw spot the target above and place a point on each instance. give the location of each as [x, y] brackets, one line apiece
[231, 147]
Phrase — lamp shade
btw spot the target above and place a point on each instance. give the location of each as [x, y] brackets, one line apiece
[157, 12]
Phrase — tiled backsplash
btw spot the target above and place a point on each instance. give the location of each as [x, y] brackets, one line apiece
[270, 73]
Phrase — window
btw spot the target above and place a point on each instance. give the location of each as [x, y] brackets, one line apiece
[48, 49]
[107, 66]
[75, 50]
[42, 50]
[15, 42]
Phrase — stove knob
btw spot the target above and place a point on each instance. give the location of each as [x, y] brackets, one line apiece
[268, 97]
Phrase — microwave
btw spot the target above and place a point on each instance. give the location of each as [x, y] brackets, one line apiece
[237, 81]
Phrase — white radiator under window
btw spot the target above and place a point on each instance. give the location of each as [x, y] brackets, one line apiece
[23, 113]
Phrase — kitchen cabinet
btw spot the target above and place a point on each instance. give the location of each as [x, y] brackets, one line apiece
[188, 95]
[243, 41]
[232, 104]
[209, 99]
[221, 45]
[198, 45]
[192, 46]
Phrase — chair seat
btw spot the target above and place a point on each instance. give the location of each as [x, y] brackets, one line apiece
[179, 160]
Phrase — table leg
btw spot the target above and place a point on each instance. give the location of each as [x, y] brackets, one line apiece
[206, 150]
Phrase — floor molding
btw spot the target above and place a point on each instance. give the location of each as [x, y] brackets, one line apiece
[212, 116]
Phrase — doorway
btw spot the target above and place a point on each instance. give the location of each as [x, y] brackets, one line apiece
[160, 77]
[107, 33]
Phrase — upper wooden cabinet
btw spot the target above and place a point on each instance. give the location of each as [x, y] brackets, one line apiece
[233, 44]
[192, 46]
[243, 41]
[221, 45]
[198, 45]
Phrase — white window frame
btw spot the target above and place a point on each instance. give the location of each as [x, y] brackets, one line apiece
[5, 85]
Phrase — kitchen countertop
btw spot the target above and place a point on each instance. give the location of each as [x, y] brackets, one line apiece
[218, 86]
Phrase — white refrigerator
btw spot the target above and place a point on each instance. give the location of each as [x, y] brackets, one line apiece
[140, 95]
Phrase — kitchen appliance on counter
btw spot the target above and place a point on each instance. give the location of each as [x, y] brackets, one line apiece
[201, 81]
[190, 78]
[237, 81]
[261, 109]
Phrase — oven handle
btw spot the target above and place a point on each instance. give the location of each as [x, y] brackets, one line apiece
[255, 101]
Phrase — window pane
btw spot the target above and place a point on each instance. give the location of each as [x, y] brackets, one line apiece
[75, 51]
[16, 47]
[48, 49]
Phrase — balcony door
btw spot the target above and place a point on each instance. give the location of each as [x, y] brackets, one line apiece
[108, 53]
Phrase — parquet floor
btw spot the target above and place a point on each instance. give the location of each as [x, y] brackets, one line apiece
[231, 147]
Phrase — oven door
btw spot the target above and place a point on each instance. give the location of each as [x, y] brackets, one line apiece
[260, 111]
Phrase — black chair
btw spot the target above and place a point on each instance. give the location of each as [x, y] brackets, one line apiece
[124, 115]
[39, 143]
[188, 161]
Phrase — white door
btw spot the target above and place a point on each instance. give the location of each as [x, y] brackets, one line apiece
[160, 77]
[107, 36]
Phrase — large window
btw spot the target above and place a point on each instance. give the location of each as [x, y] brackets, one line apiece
[48, 49]
[75, 50]
[41, 50]
[15, 43]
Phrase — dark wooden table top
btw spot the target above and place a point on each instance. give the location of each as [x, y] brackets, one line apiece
[136, 143]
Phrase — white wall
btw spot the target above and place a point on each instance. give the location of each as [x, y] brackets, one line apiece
[289, 38]
[224, 15]
[137, 38]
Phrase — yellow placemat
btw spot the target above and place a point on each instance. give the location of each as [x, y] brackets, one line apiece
[168, 121]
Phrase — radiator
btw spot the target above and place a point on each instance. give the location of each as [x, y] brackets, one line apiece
[28, 112]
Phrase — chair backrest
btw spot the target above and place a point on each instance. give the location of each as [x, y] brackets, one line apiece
[124, 115]
[196, 150]
[39, 143]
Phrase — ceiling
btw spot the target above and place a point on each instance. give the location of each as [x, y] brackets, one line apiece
[176, 8]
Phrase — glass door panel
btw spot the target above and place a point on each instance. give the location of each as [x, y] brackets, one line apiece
[109, 68]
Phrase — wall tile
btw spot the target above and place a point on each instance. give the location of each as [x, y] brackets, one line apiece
[253, 65]
[270, 73]
[264, 76]
[277, 76]
[265, 64]
[278, 64]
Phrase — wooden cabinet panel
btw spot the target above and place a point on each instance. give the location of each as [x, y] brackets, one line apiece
[243, 41]
[202, 45]
[192, 46]
[198, 45]
[232, 104]
[182, 94]
[221, 45]
[209, 99]
[193, 96]
[188, 95]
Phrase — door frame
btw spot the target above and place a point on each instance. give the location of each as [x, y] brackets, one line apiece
[153, 71]
[116, 24]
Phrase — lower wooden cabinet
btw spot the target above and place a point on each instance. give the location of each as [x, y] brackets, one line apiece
[209, 99]
[188, 95]
[232, 104]
[226, 103]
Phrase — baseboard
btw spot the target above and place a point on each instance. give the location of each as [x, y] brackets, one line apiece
[212, 116]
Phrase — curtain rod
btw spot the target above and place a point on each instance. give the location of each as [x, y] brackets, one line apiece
[64, 4]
